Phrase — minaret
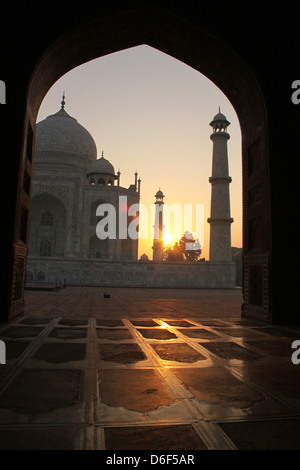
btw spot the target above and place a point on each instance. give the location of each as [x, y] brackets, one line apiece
[63, 101]
[158, 245]
[135, 179]
[220, 220]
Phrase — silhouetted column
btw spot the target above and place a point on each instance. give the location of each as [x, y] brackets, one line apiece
[220, 220]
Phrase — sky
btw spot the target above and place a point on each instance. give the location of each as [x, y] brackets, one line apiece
[150, 113]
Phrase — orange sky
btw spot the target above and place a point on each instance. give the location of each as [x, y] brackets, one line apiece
[150, 112]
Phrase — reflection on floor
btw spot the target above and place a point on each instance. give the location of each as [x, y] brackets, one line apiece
[154, 382]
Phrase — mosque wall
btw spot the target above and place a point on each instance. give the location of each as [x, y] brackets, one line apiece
[131, 274]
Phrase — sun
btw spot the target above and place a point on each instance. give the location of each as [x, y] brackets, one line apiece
[167, 239]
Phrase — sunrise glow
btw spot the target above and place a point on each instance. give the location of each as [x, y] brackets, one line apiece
[163, 134]
[167, 239]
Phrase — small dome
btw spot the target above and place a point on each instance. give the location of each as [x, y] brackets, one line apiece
[60, 134]
[102, 166]
[159, 194]
[144, 257]
[220, 117]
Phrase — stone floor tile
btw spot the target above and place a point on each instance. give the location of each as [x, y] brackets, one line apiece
[138, 390]
[167, 369]
[264, 435]
[38, 438]
[182, 437]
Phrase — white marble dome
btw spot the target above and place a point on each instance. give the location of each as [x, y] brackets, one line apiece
[102, 166]
[60, 136]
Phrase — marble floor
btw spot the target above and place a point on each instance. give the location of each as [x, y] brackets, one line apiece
[141, 369]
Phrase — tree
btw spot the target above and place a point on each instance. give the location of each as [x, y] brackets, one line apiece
[173, 253]
[187, 248]
[190, 247]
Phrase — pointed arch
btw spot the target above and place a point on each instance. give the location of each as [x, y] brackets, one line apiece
[204, 52]
[47, 226]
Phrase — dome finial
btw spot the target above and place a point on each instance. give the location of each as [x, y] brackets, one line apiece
[63, 101]
[102, 154]
[219, 109]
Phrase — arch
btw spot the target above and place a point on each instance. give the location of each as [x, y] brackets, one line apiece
[47, 219]
[197, 48]
[101, 181]
[47, 235]
[41, 276]
[45, 247]
[209, 56]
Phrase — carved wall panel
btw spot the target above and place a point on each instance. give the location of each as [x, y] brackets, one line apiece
[17, 292]
[254, 158]
[255, 235]
[256, 287]
[255, 195]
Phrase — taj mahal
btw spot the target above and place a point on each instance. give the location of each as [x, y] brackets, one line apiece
[69, 185]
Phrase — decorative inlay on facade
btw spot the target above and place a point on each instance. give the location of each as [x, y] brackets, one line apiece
[73, 161]
[62, 191]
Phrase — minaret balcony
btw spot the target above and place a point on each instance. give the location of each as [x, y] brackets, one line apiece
[218, 133]
[220, 179]
[212, 220]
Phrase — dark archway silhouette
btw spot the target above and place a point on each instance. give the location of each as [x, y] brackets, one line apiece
[207, 54]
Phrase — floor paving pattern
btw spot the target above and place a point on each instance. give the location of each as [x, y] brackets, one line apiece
[109, 377]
